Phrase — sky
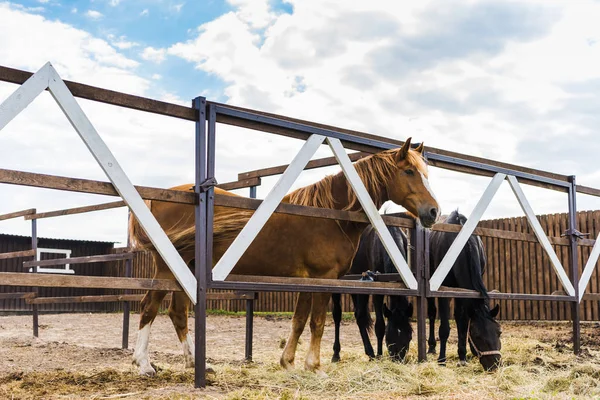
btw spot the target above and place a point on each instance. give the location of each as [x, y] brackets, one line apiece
[512, 81]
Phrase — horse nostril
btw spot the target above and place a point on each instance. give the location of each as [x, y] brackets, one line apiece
[433, 212]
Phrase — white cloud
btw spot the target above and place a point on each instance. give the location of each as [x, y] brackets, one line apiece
[177, 7]
[156, 77]
[41, 139]
[93, 14]
[44, 1]
[114, 3]
[145, 12]
[73, 10]
[154, 55]
[121, 42]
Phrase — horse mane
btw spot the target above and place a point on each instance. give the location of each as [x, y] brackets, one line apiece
[375, 171]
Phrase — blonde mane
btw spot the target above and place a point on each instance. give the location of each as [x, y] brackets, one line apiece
[375, 172]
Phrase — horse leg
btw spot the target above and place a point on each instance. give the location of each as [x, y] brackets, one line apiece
[149, 308]
[318, 315]
[178, 312]
[301, 313]
[363, 320]
[431, 312]
[379, 322]
[462, 321]
[444, 332]
[336, 299]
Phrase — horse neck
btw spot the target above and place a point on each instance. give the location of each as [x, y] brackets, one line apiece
[340, 189]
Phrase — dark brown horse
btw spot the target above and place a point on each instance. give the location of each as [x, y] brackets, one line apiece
[288, 245]
[475, 322]
[372, 256]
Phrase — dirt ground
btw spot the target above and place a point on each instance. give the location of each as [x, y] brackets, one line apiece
[79, 356]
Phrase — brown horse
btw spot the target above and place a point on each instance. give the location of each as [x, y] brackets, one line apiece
[288, 245]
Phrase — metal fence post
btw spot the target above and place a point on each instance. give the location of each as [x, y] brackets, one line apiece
[250, 309]
[126, 304]
[574, 262]
[200, 253]
[419, 268]
[34, 246]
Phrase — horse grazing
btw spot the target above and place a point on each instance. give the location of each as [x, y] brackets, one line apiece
[372, 256]
[288, 245]
[475, 321]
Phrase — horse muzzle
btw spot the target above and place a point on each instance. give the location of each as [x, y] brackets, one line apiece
[428, 216]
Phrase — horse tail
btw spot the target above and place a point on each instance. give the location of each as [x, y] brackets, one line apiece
[137, 236]
[477, 262]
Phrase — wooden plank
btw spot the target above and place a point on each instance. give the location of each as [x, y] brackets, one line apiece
[77, 210]
[313, 281]
[17, 295]
[588, 190]
[240, 183]
[126, 297]
[285, 208]
[546, 312]
[79, 260]
[17, 214]
[508, 272]
[17, 254]
[109, 96]
[445, 291]
[90, 186]
[94, 282]
[520, 270]
[593, 222]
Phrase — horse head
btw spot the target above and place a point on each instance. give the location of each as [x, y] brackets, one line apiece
[398, 333]
[483, 334]
[409, 185]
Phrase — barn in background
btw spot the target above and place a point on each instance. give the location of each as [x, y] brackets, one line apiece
[79, 248]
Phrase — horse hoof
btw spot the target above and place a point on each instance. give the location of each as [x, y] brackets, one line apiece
[320, 373]
[288, 365]
[335, 359]
[461, 363]
[442, 363]
[431, 351]
[147, 371]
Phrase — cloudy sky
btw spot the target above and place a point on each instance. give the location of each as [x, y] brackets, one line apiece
[512, 81]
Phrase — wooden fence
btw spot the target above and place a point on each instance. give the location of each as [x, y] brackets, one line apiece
[513, 267]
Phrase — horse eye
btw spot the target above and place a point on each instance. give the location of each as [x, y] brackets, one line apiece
[409, 172]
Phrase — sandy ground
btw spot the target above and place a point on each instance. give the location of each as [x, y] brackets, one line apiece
[79, 356]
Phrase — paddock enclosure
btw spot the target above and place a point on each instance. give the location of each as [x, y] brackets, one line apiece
[564, 263]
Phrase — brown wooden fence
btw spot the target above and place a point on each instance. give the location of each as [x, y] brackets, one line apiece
[513, 266]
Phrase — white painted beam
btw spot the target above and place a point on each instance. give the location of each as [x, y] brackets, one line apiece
[371, 210]
[463, 236]
[121, 182]
[24, 95]
[48, 78]
[589, 268]
[241, 243]
[541, 235]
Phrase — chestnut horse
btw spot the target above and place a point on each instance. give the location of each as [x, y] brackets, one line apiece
[288, 245]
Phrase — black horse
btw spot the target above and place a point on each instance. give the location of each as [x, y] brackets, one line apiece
[372, 256]
[475, 321]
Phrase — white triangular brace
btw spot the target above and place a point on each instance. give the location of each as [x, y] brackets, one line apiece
[463, 236]
[48, 78]
[241, 243]
[371, 210]
[541, 235]
[589, 268]
[461, 239]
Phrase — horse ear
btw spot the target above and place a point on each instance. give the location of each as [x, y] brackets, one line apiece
[403, 152]
[386, 311]
[409, 310]
[420, 147]
[494, 311]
